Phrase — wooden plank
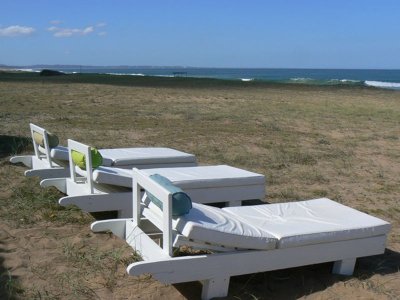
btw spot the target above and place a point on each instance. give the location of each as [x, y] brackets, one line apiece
[165, 197]
[76, 188]
[136, 199]
[47, 157]
[40, 130]
[59, 183]
[167, 226]
[25, 159]
[149, 185]
[204, 267]
[116, 226]
[100, 202]
[153, 216]
[226, 193]
[84, 149]
[160, 165]
[56, 172]
[183, 241]
[142, 243]
[71, 164]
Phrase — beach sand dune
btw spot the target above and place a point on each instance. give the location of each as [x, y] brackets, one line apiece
[336, 142]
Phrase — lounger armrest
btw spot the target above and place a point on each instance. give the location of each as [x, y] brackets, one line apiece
[116, 226]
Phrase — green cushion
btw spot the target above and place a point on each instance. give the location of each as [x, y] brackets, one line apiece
[181, 202]
[80, 158]
[52, 138]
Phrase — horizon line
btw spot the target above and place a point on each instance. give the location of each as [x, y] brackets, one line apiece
[188, 67]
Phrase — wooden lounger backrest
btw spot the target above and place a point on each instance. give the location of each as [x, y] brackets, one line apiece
[142, 181]
[84, 149]
[38, 153]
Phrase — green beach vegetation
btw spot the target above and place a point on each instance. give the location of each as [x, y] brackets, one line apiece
[339, 142]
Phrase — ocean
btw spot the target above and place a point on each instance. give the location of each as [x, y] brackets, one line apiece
[376, 78]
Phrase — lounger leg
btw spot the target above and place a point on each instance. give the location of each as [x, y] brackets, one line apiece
[344, 267]
[234, 203]
[215, 287]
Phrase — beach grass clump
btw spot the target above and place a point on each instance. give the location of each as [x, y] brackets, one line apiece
[93, 261]
[29, 204]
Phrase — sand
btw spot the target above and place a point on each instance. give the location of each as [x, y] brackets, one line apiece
[342, 143]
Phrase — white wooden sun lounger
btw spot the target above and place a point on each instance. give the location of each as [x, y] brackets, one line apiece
[242, 240]
[110, 189]
[46, 162]
[50, 162]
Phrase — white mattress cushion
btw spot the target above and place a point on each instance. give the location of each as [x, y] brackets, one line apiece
[310, 222]
[212, 225]
[208, 176]
[131, 156]
[137, 156]
[201, 177]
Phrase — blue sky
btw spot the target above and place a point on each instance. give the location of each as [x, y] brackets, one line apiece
[206, 33]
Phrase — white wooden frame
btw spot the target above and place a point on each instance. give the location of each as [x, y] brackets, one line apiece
[43, 166]
[40, 164]
[86, 182]
[90, 196]
[84, 192]
[214, 270]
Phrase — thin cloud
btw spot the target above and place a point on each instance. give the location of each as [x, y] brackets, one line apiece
[17, 30]
[101, 24]
[68, 32]
[55, 22]
[102, 33]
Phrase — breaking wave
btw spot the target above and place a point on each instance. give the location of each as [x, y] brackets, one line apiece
[383, 84]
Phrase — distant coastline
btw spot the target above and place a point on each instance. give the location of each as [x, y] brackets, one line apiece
[389, 79]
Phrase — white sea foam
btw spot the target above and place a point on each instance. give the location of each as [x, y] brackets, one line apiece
[26, 70]
[349, 80]
[301, 79]
[382, 84]
[334, 81]
[122, 74]
[169, 76]
[247, 79]
[342, 81]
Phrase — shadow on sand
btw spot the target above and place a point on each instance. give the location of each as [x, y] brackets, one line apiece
[295, 283]
[9, 286]
[13, 144]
